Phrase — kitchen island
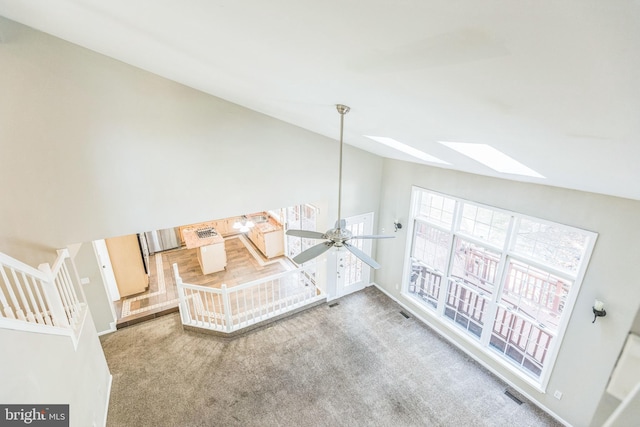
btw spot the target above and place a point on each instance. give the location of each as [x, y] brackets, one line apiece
[212, 255]
[267, 234]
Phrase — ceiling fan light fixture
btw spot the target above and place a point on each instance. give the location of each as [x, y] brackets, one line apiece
[243, 225]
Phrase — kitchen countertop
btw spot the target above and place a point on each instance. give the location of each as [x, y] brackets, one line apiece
[267, 227]
[208, 233]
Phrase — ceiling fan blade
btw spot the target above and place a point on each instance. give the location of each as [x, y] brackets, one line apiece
[307, 234]
[341, 224]
[364, 257]
[312, 252]
[376, 236]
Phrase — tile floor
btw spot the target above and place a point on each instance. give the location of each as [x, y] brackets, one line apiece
[244, 263]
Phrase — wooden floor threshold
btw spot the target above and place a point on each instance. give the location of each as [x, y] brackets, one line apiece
[123, 323]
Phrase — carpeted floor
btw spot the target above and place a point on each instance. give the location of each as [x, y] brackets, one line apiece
[360, 363]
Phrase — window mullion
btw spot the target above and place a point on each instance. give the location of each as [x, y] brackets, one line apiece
[560, 273]
[487, 330]
[457, 217]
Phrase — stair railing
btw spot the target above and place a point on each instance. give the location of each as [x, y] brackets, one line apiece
[43, 299]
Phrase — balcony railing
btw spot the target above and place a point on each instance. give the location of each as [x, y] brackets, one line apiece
[522, 339]
[425, 282]
[467, 306]
[230, 309]
[469, 301]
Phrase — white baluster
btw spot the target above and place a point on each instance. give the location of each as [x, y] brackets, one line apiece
[210, 308]
[8, 311]
[227, 307]
[75, 302]
[38, 316]
[65, 254]
[45, 309]
[62, 291]
[18, 308]
[219, 304]
[54, 300]
[244, 304]
[273, 294]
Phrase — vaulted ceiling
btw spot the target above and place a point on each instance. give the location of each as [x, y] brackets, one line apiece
[551, 84]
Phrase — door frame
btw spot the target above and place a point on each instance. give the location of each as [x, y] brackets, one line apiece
[364, 223]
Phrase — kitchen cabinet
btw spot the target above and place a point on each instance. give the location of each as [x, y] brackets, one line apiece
[127, 264]
[268, 237]
[212, 258]
[211, 253]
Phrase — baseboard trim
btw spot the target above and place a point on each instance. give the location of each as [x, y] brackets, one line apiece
[490, 368]
[106, 408]
[112, 328]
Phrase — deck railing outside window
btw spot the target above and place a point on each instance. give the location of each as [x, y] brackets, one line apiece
[507, 280]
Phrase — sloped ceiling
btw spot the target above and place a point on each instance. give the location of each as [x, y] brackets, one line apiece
[552, 84]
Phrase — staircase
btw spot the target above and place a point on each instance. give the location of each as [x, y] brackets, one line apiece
[42, 300]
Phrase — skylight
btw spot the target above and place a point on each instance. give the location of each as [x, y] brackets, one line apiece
[491, 157]
[414, 152]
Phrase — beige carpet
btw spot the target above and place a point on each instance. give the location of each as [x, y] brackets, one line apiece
[360, 363]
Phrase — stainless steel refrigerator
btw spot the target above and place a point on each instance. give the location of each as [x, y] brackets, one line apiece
[162, 240]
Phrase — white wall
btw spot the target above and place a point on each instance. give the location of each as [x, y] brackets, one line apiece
[95, 148]
[45, 369]
[94, 291]
[589, 351]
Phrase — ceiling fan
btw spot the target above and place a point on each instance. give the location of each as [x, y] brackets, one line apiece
[339, 236]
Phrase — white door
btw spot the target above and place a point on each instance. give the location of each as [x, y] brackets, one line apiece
[300, 217]
[109, 278]
[353, 274]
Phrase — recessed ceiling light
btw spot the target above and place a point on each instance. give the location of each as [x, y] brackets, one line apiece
[390, 142]
[491, 157]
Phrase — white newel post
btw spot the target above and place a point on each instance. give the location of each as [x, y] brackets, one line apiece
[73, 276]
[52, 296]
[227, 307]
[184, 309]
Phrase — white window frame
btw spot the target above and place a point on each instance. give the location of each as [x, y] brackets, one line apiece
[482, 344]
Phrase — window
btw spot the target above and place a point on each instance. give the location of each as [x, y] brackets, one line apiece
[300, 217]
[505, 280]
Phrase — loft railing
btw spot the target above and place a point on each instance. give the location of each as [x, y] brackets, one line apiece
[229, 309]
[43, 299]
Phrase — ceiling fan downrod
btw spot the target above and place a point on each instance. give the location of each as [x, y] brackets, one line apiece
[342, 109]
[339, 236]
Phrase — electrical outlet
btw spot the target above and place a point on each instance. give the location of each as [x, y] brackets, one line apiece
[383, 231]
[557, 394]
[397, 286]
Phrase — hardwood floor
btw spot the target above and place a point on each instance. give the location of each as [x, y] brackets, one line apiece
[244, 264]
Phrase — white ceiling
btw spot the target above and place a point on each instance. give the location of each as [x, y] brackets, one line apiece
[553, 84]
